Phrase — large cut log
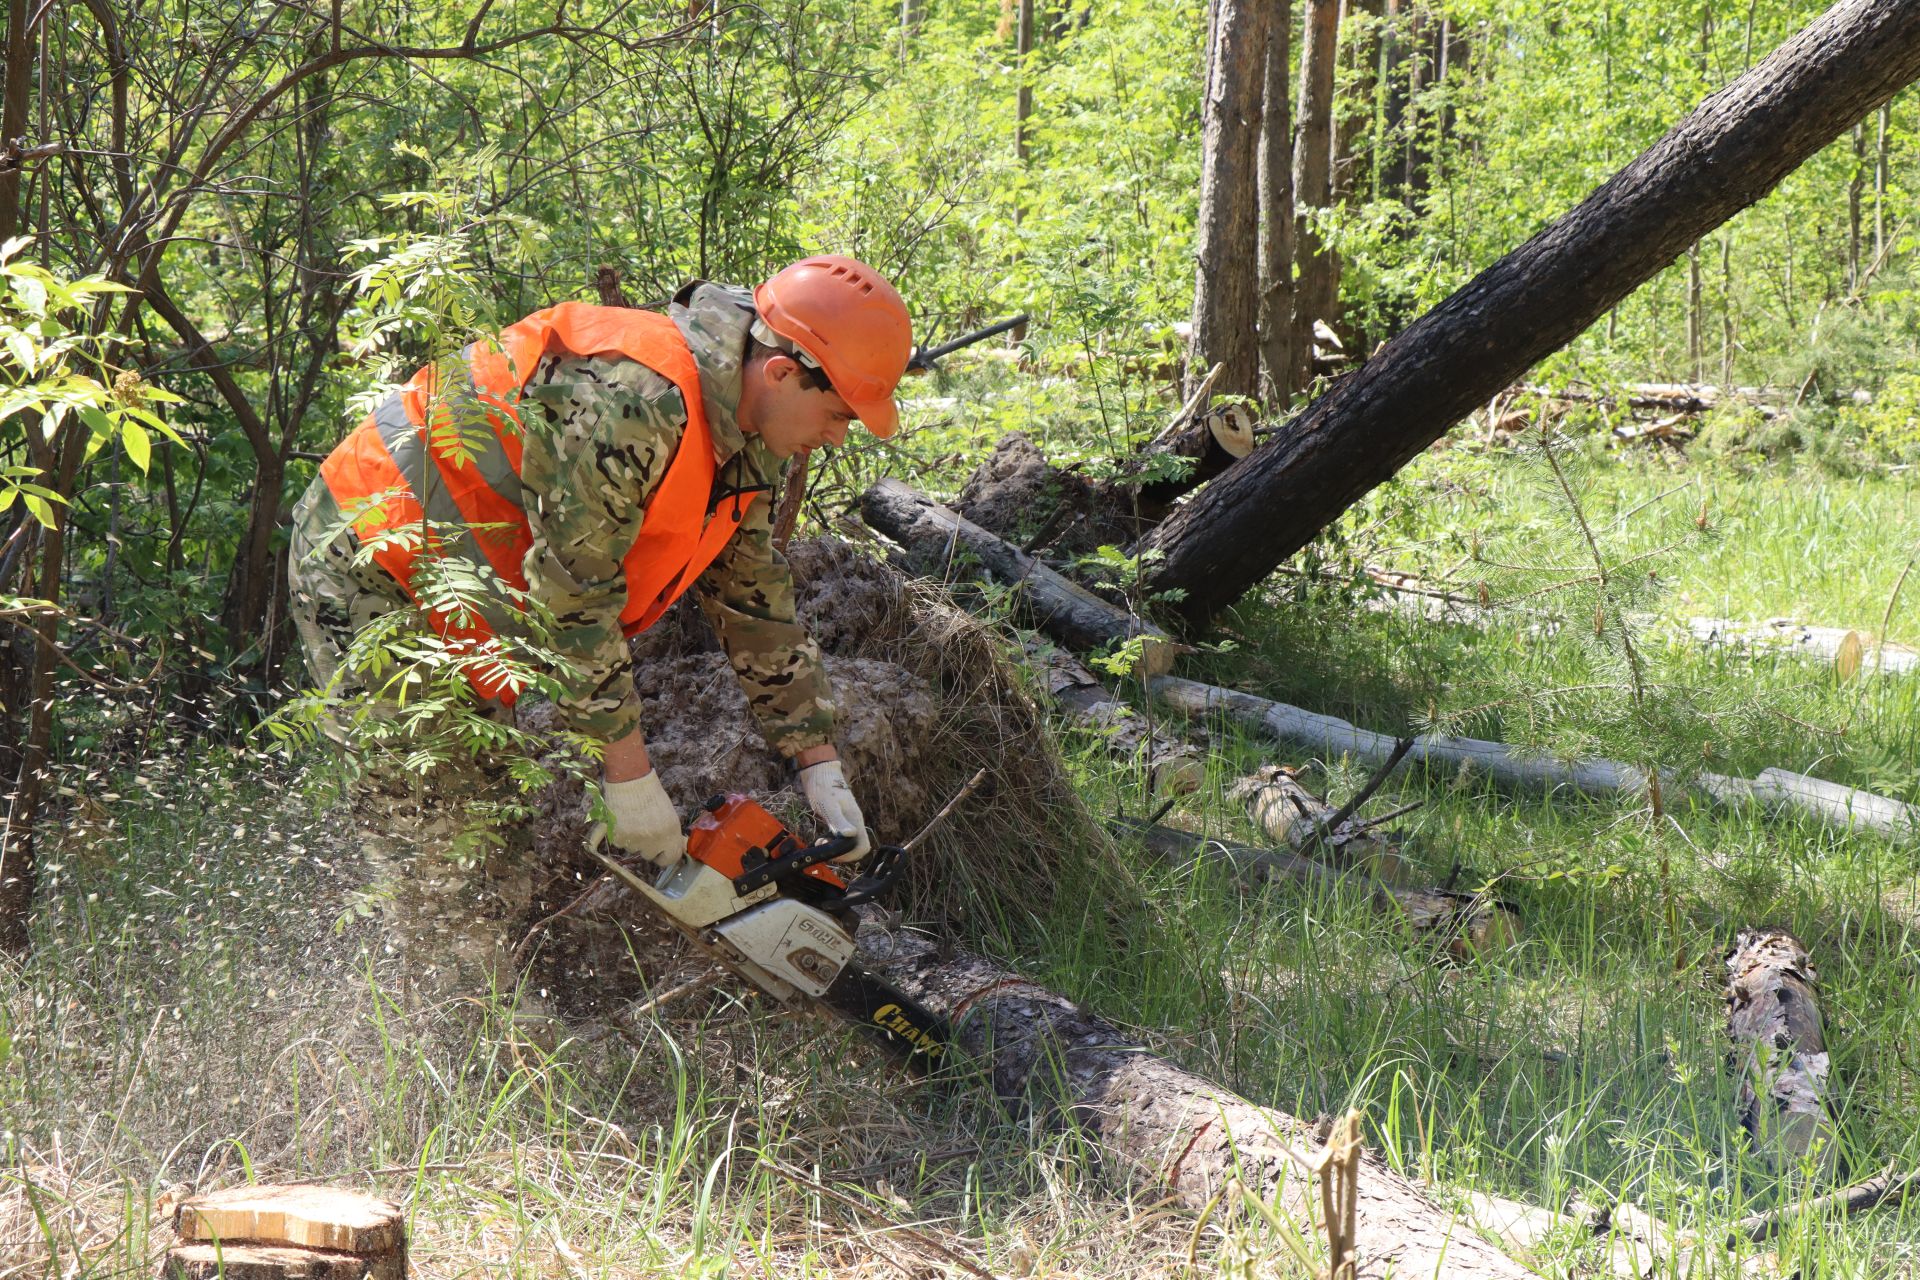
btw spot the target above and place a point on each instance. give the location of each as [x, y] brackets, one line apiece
[1729, 152]
[1170, 1130]
[934, 536]
[1840, 807]
[1780, 1049]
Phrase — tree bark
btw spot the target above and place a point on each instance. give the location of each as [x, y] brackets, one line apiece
[1164, 1127]
[1023, 96]
[1226, 299]
[19, 840]
[1773, 1019]
[1317, 291]
[1276, 213]
[1732, 150]
[16, 97]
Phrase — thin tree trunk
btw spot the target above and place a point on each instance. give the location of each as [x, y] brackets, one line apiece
[1316, 295]
[19, 848]
[1354, 120]
[1696, 314]
[1276, 213]
[15, 101]
[1856, 187]
[1226, 298]
[1726, 306]
[1880, 184]
[1723, 157]
[1023, 96]
[1389, 170]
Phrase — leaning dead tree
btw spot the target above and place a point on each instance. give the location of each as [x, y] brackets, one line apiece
[1732, 150]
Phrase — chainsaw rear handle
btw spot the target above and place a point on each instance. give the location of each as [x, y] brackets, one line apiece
[783, 869]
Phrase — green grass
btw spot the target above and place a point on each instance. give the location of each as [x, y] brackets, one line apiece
[198, 1009]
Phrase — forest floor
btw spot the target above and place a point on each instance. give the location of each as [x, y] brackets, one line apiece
[206, 1004]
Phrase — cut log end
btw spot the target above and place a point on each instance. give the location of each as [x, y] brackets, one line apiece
[1231, 427]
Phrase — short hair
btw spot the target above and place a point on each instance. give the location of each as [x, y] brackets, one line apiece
[812, 376]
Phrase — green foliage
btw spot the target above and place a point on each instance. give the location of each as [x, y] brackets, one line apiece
[56, 370]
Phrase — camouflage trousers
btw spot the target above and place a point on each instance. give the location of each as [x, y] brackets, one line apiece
[454, 883]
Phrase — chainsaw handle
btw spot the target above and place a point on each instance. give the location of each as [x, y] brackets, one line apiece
[780, 870]
[875, 878]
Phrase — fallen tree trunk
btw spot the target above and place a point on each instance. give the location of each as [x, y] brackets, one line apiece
[1173, 767]
[1728, 153]
[1841, 807]
[1773, 1019]
[1888, 1188]
[933, 534]
[1687, 398]
[1164, 1127]
[1465, 924]
[1826, 644]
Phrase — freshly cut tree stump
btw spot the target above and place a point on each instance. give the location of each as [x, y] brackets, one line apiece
[1773, 1019]
[294, 1231]
[1213, 440]
[276, 1262]
[1177, 1134]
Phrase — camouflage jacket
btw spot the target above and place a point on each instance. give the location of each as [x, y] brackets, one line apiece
[612, 427]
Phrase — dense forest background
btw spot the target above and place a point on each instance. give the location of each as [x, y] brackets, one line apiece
[274, 200]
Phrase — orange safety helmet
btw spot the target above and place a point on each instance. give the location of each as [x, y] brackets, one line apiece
[845, 315]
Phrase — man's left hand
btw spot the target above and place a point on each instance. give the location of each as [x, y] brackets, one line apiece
[825, 786]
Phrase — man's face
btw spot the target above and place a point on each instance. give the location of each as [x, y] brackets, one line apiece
[788, 415]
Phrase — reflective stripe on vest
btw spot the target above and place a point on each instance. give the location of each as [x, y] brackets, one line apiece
[470, 498]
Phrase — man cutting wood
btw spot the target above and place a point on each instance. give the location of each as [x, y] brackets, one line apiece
[629, 456]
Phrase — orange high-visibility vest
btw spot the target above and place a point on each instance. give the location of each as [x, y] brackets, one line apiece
[381, 471]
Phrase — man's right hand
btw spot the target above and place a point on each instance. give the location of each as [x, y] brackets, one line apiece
[644, 821]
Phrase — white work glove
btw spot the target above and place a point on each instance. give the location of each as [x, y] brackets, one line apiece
[644, 821]
[825, 785]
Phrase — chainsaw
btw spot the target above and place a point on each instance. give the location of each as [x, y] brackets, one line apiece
[776, 912]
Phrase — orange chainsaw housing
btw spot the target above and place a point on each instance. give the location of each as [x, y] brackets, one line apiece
[734, 827]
